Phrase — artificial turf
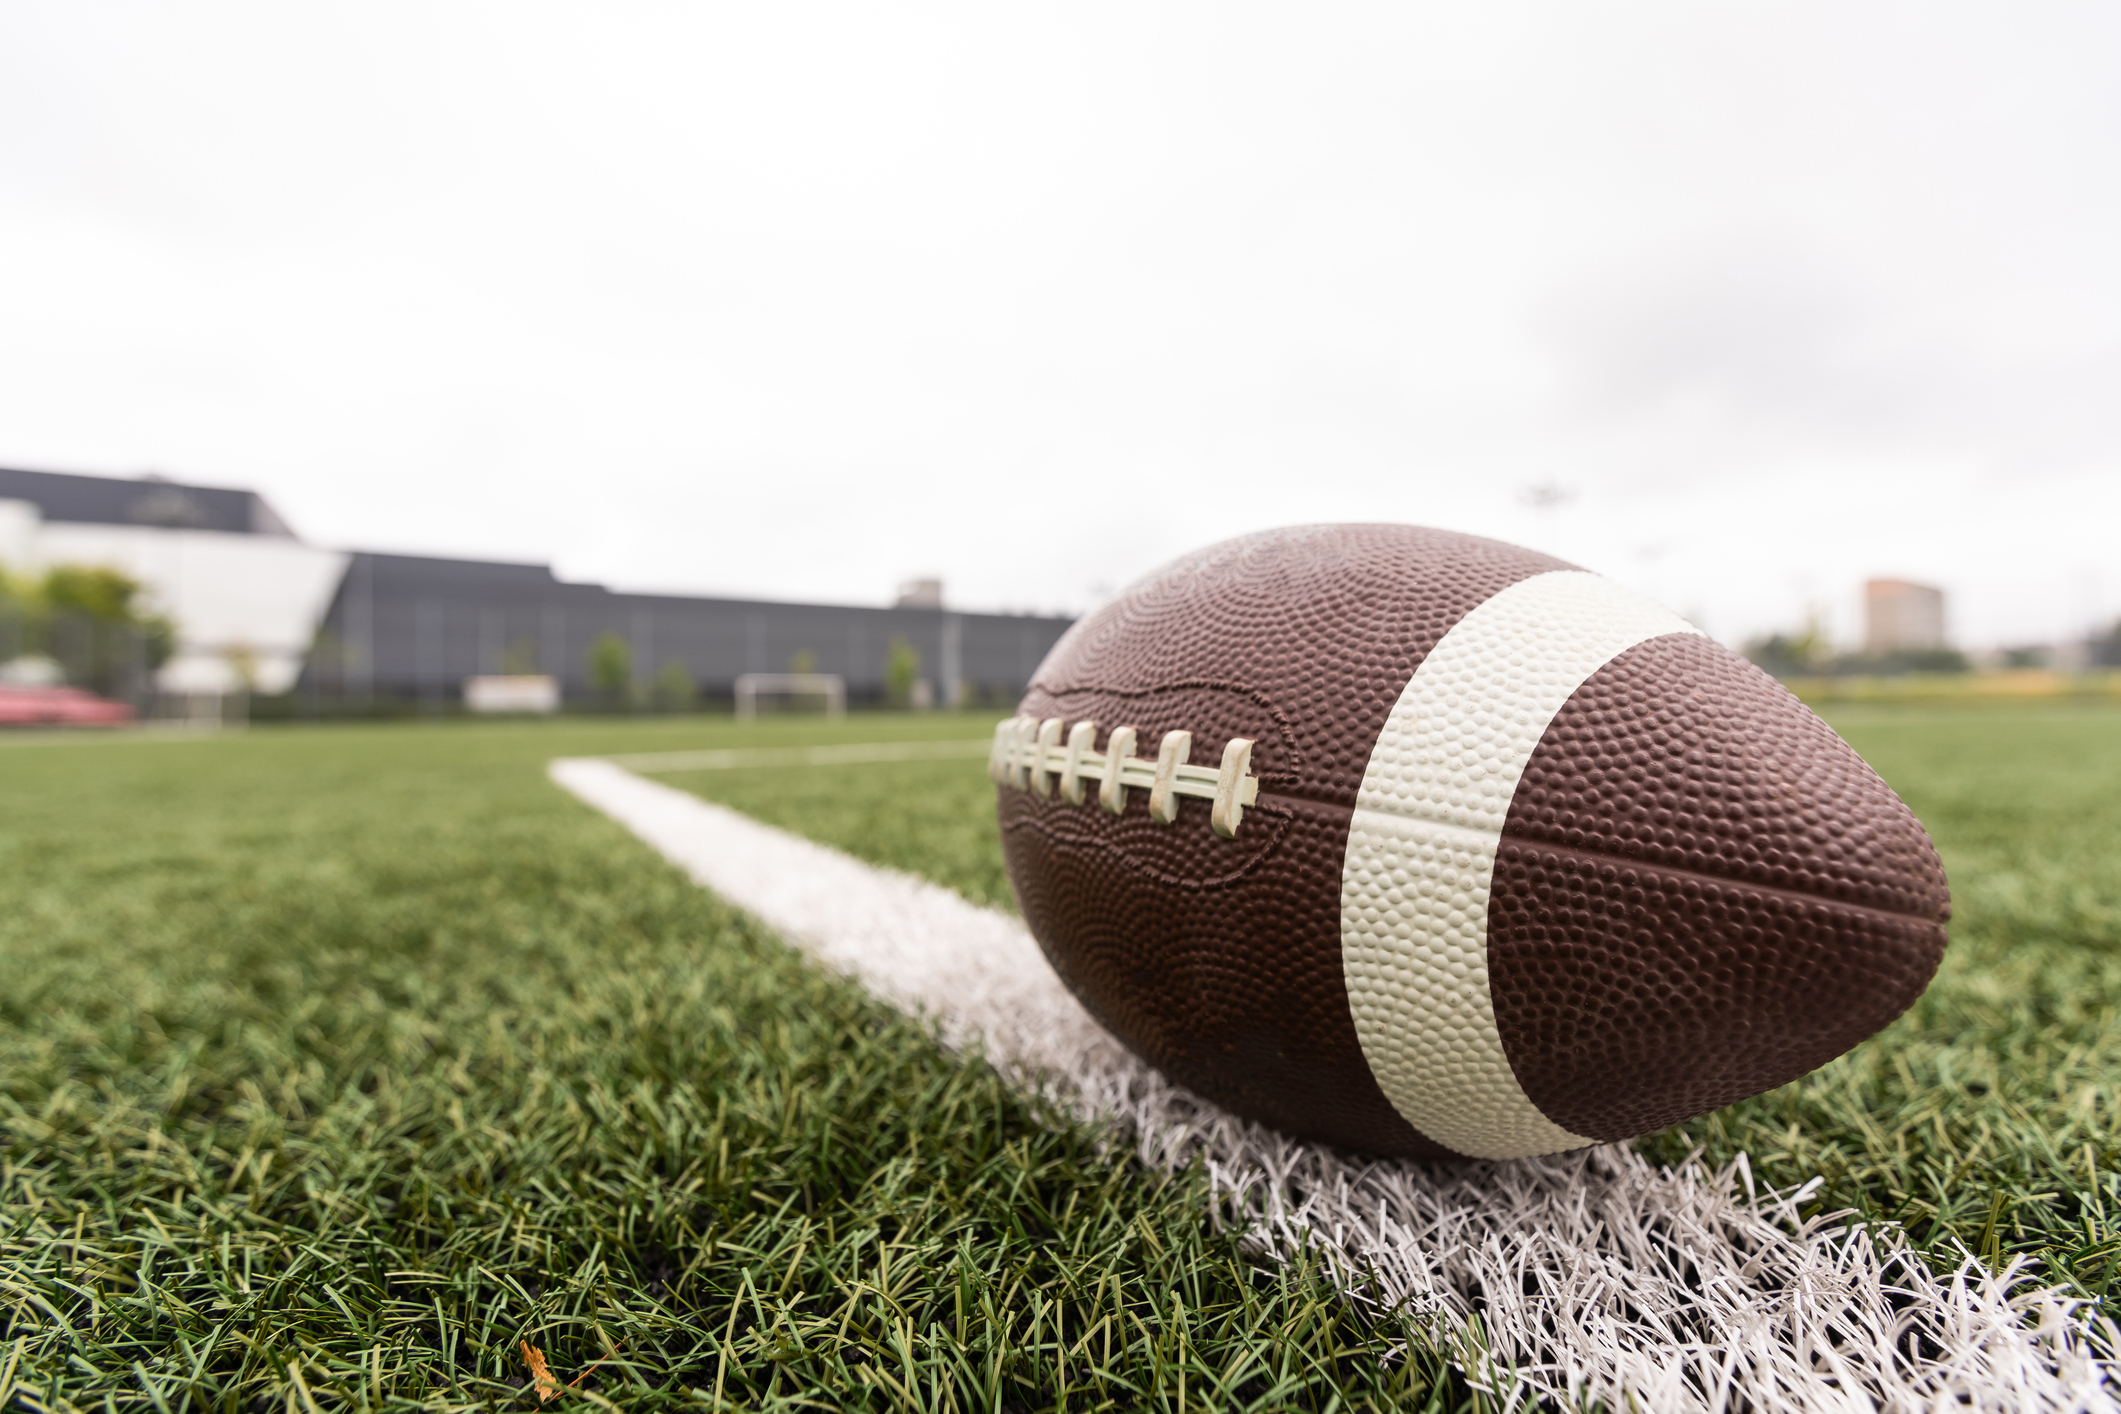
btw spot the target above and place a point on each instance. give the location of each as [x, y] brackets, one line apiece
[338, 1066]
[1984, 1120]
[931, 818]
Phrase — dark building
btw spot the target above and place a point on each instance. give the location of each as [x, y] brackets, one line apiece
[408, 628]
[151, 501]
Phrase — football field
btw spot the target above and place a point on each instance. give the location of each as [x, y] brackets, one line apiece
[338, 1066]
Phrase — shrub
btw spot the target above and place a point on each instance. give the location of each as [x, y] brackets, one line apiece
[674, 690]
[611, 670]
[902, 668]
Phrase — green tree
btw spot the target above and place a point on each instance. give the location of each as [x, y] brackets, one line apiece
[1930, 660]
[95, 618]
[1789, 655]
[902, 668]
[95, 590]
[611, 669]
[17, 608]
[242, 663]
[2106, 647]
[674, 689]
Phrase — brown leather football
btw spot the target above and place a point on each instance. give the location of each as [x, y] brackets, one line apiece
[1427, 845]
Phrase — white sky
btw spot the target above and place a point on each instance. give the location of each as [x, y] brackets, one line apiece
[797, 300]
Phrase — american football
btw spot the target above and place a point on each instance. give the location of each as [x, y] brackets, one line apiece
[1426, 845]
[743, 707]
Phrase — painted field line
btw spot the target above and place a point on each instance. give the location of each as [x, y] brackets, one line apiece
[657, 762]
[1594, 1276]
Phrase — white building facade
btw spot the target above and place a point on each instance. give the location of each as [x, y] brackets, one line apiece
[244, 593]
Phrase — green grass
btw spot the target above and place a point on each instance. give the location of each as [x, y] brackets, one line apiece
[335, 1063]
[931, 818]
[1985, 1120]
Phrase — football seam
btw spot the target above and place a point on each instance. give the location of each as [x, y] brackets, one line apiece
[1769, 891]
[1416, 881]
[1262, 852]
[1266, 703]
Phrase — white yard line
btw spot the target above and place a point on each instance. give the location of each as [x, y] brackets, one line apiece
[1596, 1275]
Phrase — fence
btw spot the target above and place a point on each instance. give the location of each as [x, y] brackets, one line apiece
[108, 657]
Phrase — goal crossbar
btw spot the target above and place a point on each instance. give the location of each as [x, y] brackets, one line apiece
[829, 686]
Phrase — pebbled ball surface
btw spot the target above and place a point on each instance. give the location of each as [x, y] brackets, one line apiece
[1692, 865]
[1700, 892]
[1219, 961]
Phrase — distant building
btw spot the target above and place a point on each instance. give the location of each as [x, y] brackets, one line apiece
[364, 629]
[1899, 617]
[409, 628]
[244, 593]
[920, 594]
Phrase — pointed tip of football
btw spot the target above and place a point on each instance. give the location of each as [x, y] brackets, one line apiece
[1702, 893]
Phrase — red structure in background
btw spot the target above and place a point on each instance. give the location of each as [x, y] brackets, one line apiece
[59, 707]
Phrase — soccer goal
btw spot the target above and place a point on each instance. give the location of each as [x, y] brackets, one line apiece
[791, 691]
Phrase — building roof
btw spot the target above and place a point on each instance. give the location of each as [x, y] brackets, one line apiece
[103, 500]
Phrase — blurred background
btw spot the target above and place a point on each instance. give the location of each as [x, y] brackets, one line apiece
[352, 355]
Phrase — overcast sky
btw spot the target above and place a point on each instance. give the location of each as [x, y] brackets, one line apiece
[797, 300]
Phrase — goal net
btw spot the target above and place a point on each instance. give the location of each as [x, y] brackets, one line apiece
[790, 692]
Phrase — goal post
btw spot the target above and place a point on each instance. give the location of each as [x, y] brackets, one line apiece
[830, 688]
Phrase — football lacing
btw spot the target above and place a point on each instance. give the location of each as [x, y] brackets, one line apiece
[1028, 755]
